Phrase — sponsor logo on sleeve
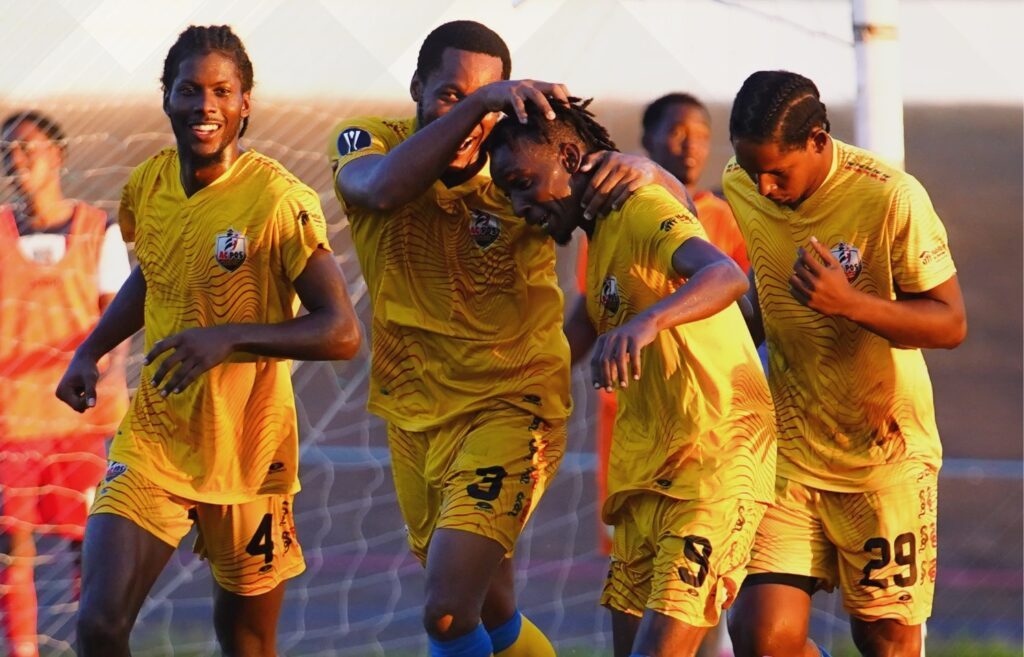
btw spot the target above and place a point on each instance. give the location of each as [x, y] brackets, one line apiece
[114, 470]
[230, 249]
[351, 140]
[848, 256]
[934, 254]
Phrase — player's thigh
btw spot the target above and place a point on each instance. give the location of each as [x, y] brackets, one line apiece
[624, 628]
[461, 567]
[887, 545]
[71, 473]
[504, 461]
[252, 547]
[664, 636]
[247, 624]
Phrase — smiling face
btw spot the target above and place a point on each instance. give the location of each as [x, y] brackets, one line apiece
[786, 176]
[206, 105]
[680, 141]
[541, 182]
[461, 73]
[31, 158]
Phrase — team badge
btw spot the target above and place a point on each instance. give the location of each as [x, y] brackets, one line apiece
[353, 139]
[114, 470]
[848, 256]
[484, 228]
[610, 294]
[230, 249]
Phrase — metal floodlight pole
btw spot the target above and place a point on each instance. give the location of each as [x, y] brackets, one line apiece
[878, 120]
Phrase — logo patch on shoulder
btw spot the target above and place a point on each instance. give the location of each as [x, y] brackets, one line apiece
[230, 249]
[114, 470]
[484, 228]
[848, 256]
[352, 140]
[610, 294]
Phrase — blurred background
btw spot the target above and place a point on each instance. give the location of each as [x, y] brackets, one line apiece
[94, 66]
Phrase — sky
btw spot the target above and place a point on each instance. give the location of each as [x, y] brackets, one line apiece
[951, 51]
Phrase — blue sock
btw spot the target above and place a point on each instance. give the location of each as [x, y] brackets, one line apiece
[475, 644]
[506, 634]
[823, 652]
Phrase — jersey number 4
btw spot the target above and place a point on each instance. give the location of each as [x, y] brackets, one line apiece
[262, 542]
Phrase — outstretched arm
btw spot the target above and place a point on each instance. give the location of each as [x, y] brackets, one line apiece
[385, 182]
[714, 283]
[330, 331]
[120, 320]
[931, 319]
[617, 175]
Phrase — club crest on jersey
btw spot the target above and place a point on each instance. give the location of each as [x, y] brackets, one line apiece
[484, 228]
[848, 256]
[352, 140]
[114, 470]
[230, 249]
[610, 294]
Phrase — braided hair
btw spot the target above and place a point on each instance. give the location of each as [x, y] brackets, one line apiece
[777, 106]
[202, 39]
[572, 123]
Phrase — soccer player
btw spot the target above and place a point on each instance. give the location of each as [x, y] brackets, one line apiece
[225, 239]
[854, 277]
[693, 459]
[469, 365]
[677, 135]
[61, 262]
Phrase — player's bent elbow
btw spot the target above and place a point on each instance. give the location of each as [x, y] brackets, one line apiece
[343, 339]
[957, 333]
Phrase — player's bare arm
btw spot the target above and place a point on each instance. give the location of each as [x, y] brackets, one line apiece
[579, 331]
[120, 320]
[714, 281]
[933, 319]
[386, 182]
[330, 331]
[617, 175]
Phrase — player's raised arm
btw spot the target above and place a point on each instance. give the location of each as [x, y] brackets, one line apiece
[617, 175]
[461, 123]
[120, 320]
[713, 282]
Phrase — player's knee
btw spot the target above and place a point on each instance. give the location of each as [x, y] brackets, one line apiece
[448, 619]
[101, 631]
[887, 638]
[755, 636]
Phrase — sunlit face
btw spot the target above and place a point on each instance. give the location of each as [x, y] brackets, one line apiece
[681, 141]
[787, 176]
[206, 105]
[30, 157]
[539, 182]
[461, 73]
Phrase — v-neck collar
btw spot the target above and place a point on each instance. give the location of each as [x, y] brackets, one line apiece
[219, 180]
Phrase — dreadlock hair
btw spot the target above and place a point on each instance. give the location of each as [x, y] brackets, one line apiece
[53, 131]
[203, 39]
[462, 35]
[573, 123]
[654, 112]
[777, 106]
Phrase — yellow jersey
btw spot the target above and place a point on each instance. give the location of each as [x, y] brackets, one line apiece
[699, 423]
[227, 254]
[854, 410]
[465, 300]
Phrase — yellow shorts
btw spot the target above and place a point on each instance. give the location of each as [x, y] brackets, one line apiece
[483, 473]
[878, 546]
[685, 559]
[251, 547]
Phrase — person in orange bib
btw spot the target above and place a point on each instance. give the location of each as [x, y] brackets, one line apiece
[61, 262]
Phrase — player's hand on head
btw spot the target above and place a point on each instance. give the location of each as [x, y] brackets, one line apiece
[819, 281]
[512, 96]
[616, 176]
[191, 352]
[77, 388]
[616, 355]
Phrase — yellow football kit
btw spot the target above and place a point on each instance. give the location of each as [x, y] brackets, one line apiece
[855, 411]
[697, 429]
[469, 364]
[227, 254]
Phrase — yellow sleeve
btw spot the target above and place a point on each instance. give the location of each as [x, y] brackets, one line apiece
[301, 229]
[920, 252]
[356, 138]
[126, 211]
[659, 224]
